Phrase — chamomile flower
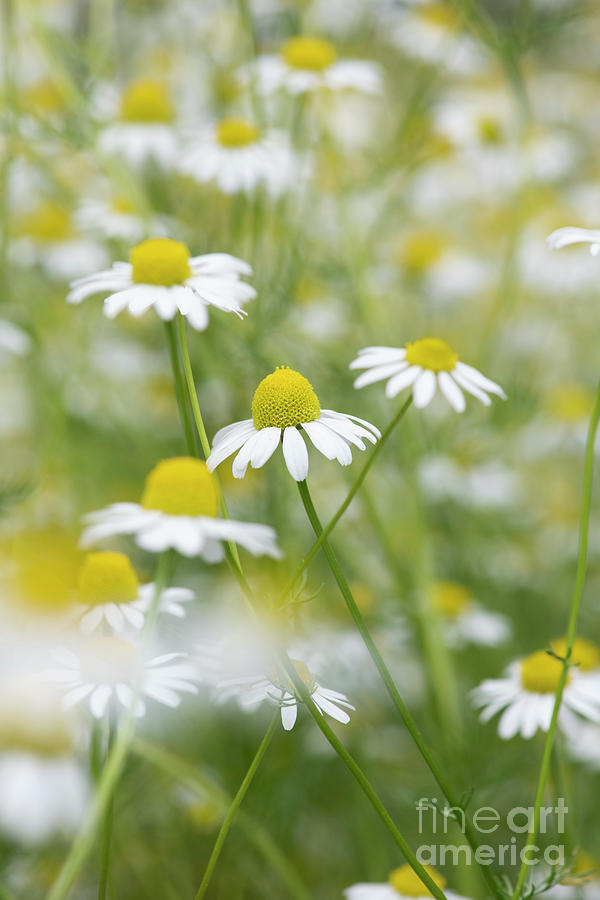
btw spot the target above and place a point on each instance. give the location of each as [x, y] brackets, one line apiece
[285, 402]
[564, 237]
[526, 694]
[144, 127]
[162, 274]
[424, 364]
[402, 884]
[109, 592]
[464, 621]
[276, 686]
[306, 63]
[179, 510]
[115, 216]
[239, 157]
[109, 670]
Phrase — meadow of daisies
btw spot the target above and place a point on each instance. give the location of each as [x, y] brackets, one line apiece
[300, 569]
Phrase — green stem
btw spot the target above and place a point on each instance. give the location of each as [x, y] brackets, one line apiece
[584, 523]
[201, 784]
[389, 681]
[115, 761]
[184, 411]
[106, 831]
[361, 778]
[325, 532]
[235, 805]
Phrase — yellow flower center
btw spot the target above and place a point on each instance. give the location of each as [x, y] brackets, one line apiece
[285, 683]
[45, 571]
[440, 14]
[431, 353]
[284, 398]
[585, 655]
[43, 97]
[107, 577]
[122, 205]
[586, 868]
[489, 130]
[313, 53]
[181, 486]
[421, 249]
[570, 402]
[405, 881]
[146, 101]
[450, 598]
[160, 261]
[48, 223]
[236, 133]
[540, 673]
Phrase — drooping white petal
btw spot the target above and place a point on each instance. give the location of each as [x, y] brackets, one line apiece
[404, 379]
[266, 444]
[424, 389]
[562, 237]
[452, 392]
[479, 380]
[295, 453]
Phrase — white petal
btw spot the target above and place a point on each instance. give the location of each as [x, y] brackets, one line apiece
[402, 380]
[242, 460]
[479, 380]
[424, 389]
[288, 716]
[265, 446]
[562, 237]
[295, 453]
[452, 392]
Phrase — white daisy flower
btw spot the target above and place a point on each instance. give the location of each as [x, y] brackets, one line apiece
[179, 510]
[276, 686]
[111, 670]
[464, 621]
[144, 130]
[306, 63]
[584, 744]
[564, 237]
[109, 592]
[425, 364]
[403, 884]
[526, 694]
[162, 274]
[240, 157]
[115, 216]
[13, 339]
[284, 402]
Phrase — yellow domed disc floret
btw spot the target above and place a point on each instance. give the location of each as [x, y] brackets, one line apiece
[585, 655]
[407, 883]
[313, 53]
[181, 486]
[431, 353]
[236, 133]
[540, 673]
[450, 598]
[146, 101]
[570, 402]
[284, 398]
[107, 577]
[160, 261]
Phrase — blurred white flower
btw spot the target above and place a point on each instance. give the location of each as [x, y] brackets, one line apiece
[424, 365]
[403, 884]
[283, 403]
[306, 63]
[465, 621]
[13, 339]
[109, 592]
[178, 510]
[143, 129]
[162, 274]
[105, 670]
[240, 157]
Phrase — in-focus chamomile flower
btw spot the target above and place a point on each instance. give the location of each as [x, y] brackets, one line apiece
[162, 274]
[424, 364]
[402, 884]
[278, 687]
[306, 63]
[179, 509]
[564, 237]
[526, 694]
[240, 157]
[144, 127]
[463, 620]
[108, 668]
[285, 402]
[110, 592]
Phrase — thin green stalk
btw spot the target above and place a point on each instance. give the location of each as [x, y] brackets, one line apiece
[106, 831]
[235, 805]
[194, 779]
[584, 523]
[184, 411]
[387, 679]
[115, 761]
[325, 532]
[361, 778]
[246, 17]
